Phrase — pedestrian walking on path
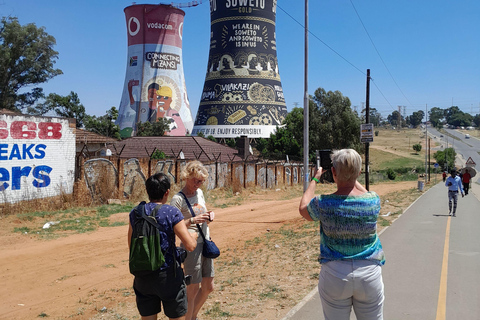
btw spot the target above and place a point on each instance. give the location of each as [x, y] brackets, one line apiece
[466, 181]
[454, 183]
[350, 250]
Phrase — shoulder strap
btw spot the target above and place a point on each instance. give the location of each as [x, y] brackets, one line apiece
[153, 221]
[193, 214]
[188, 203]
[150, 218]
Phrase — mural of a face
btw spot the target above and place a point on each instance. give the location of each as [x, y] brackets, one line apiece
[163, 101]
[152, 96]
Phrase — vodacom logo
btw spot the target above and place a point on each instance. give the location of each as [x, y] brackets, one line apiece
[180, 31]
[133, 26]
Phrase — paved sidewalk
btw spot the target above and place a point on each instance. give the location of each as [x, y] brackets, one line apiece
[414, 249]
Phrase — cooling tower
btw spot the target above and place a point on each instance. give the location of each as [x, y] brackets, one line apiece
[154, 82]
[242, 94]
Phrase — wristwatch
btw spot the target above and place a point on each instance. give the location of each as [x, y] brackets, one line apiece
[191, 221]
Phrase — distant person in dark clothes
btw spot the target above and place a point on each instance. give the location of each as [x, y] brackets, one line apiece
[167, 285]
[466, 181]
[444, 175]
[454, 183]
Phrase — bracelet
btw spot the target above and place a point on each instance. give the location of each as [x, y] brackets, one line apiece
[191, 221]
[316, 180]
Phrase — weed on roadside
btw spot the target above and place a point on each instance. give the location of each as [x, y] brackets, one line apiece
[51, 225]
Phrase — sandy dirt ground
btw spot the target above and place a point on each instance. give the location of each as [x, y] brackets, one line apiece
[78, 276]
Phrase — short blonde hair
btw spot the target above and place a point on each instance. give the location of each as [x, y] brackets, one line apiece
[347, 164]
[194, 169]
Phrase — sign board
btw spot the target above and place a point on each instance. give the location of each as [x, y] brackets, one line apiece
[436, 165]
[37, 157]
[366, 132]
[470, 162]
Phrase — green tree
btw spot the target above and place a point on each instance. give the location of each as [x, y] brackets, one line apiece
[416, 118]
[450, 113]
[393, 118]
[279, 145]
[417, 147]
[476, 120]
[436, 116]
[333, 124]
[445, 158]
[26, 59]
[62, 106]
[375, 117]
[155, 129]
[461, 119]
[104, 125]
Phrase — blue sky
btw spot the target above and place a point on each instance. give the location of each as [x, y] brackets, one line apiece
[424, 54]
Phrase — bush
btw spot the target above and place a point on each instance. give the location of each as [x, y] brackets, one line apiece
[158, 155]
[376, 133]
[417, 147]
[391, 174]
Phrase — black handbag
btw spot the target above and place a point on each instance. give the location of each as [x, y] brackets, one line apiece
[210, 249]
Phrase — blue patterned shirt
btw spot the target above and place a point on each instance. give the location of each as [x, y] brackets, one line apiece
[348, 227]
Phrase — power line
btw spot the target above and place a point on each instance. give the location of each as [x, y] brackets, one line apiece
[379, 55]
[333, 50]
[324, 43]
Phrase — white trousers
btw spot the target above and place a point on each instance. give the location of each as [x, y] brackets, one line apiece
[351, 283]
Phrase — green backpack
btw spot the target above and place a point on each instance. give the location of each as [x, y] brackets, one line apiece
[145, 251]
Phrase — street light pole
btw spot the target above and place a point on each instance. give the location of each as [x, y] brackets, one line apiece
[306, 166]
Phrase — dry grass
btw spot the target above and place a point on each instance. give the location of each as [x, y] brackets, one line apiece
[79, 198]
[399, 142]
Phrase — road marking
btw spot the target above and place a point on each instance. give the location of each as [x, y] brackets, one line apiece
[442, 294]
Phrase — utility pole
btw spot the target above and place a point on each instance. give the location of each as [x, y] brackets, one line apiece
[399, 124]
[306, 166]
[426, 145]
[367, 145]
[429, 141]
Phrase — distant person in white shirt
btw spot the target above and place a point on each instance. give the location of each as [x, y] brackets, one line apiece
[454, 183]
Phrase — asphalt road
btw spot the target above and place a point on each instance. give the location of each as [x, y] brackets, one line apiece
[464, 147]
[432, 268]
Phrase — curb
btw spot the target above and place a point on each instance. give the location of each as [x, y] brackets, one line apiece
[299, 305]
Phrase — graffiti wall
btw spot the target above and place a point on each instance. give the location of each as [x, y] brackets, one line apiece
[37, 157]
[154, 83]
[242, 94]
[130, 175]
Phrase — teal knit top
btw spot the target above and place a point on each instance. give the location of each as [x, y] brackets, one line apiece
[348, 227]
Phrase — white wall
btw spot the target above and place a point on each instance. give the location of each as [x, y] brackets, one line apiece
[37, 157]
